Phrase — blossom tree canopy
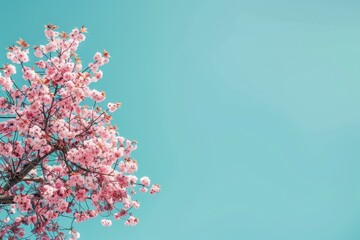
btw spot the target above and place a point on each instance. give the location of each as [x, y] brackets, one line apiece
[61, 161]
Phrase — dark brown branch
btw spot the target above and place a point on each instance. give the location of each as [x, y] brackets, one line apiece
[6, 199]
[25, 171]
[33, 179]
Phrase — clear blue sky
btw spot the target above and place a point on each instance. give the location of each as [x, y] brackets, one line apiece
[246, 112]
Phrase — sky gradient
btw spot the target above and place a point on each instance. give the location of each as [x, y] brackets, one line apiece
[246, 112]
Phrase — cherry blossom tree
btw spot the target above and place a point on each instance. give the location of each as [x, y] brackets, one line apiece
[61, 161]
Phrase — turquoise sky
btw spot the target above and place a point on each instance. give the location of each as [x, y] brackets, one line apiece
[246, 112]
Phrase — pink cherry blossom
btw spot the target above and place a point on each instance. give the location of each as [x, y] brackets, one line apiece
[106, 222]
[132, 221]
[135, 204]
[143, 190]
[61, 155]
[98, 74]
[9, 70]
[97, 96]
[155, 189]
[74, 234]
[113, 106]
[145, 181]
[6, 83]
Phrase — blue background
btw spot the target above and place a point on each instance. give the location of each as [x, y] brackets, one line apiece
[246, 112]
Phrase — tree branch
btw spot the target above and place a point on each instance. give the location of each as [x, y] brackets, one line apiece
[20, 176]
[6, 199]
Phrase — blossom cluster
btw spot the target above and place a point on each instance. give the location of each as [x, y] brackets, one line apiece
[60, 157]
